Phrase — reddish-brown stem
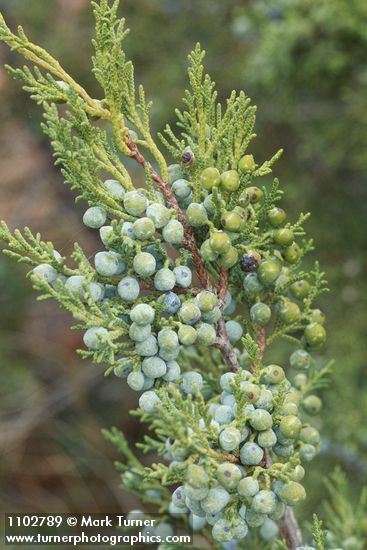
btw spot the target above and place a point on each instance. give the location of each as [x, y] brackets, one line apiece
[189, 240]
[290, 530]
[261, 340]
[222, 342]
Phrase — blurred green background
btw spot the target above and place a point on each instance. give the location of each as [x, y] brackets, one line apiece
[304, 63]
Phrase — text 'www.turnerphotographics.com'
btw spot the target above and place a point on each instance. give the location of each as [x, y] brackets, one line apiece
[92, 529]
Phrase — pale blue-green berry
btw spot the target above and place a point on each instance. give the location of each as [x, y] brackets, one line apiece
[307, 452]
[128, 289]
[265, 400]
[248, 487]
[164, 279]
[223, 414]
[264, 502]
[114, 188]
[127, 230]
[173, 232]
[173, 371]
[227, 399]
[222, 531]
[123, 368]
[139, 333]
[106, 233]
[169, 355]
[251, 454]
[234, 331]
[135, 380]
[174, 173]
[216, 499]
[285, 451]
[252, 392]
[278, 512]
[196, 476]
[300, 359]
[56, 255]
[206, 300]
[269, 530]
[291, 493]
[206, 334]
[195, 494]
[227, 380]
[134, 515]
[157, 254]
[170, 301]
[144, 264]
[212, 316]
[184, 203]
[163, 531]
[312, 404]
[196, 522]
[142, 314]
[148, 347]
[212, 408]
[260, 313]
[75, 285]
[230, 308]
[242, 511]
[191, 381]
[245, 432]
[187, 335]
[228, 475]
[148, 383]
[148, 401]
[93, 337]
[298, 473]
[189, 313]
[181, 188]
[267, 439]
[159, 214]
[207, 253]
[254, 519]
[95, 292]
[310, 435]
[196, 214]
[154, 367]
[261, 420]
[183, 276]
[95, 217]
[213, 518]
[108, 263]
[244, 359]
[251, 284]
[144, 229]
[167, 338]
[230, 438]
[193, 504]
[135, 203]
[178, 497]
[240, 529]
[46, 272]
[209, 205]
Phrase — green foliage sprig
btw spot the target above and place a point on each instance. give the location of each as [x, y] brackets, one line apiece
[198, 276]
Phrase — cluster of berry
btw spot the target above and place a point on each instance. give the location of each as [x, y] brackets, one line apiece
[165, 314]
